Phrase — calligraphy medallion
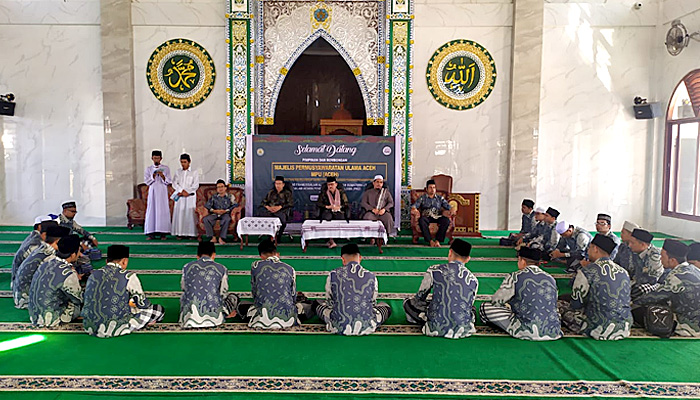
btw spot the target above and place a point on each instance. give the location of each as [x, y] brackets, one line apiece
[461, 74]
[180, 73]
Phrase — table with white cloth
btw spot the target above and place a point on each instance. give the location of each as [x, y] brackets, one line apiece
[258, 226]
[339, 229]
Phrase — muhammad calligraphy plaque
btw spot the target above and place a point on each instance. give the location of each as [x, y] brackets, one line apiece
[180, 73]
[461, 74]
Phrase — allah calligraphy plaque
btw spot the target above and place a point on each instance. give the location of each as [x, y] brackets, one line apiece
[180, 73]
[461, 74]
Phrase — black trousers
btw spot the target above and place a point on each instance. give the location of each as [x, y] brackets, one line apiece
[443, 223]
[281, 214]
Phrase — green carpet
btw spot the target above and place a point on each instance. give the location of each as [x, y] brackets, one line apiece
[216, 364]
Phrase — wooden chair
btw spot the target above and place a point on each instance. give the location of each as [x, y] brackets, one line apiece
[417, 234]
[443, 183]
[203, 194]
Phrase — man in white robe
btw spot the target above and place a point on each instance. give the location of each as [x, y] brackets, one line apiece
[185, 183]
[157, 177]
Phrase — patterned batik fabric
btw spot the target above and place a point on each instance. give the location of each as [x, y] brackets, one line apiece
[528, 223]
[575, 247]
[273, 284]
[449, 314]
[107, 312]
[537, 230]
[625, 258]
[351, 293]
[55, 295]
[680, 289]
[29, 244]
[647, 266]
[602, 291]
[204, 286]
[547, 239]
[75, 228]
[26, 271]
[617, 241]
[532, 295]
[431, 207]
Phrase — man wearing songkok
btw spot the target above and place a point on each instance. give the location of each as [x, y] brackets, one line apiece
[67, 219]
[332, 204]
[277, 203]
[157, 177]
[572, 246]
[55, 295]
[599, 305]
[694, 255]
[680, 290]
[548, 238]
[115, 303]
[537, 229]
[205, 300]
[525, 305]
[25, 272]
[30, 243]
[185, 185]
[603, 225]
[351, 306]
[527, 224]
[219, 205]
[450, 313]
[377, 202]
[432, 208]
[276, 303]
[647, 261]
[625, 256]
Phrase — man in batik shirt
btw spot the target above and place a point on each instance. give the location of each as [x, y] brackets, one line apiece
[25, 272]
[55, 295]
[205, 300]
[115, 303]
[525, 305]
[432, 208]
[351, 306]
[599, 305]
[547, 238]
[276, 303]
[647, 267]
[30, 243]
[450, 313]
[680, 290]
[625, 256]
[572, 246]
[277, 203]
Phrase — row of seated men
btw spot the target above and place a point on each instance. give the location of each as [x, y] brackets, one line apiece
[603, 304]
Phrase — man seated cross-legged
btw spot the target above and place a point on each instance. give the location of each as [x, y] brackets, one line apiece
[525, 305]
[276, 303]
[351, 306]
[55, 295]
[205, 300]
[599, 305]
[450, 313]
[115, 303]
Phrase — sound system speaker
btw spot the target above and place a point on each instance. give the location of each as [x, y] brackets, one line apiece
[7, 108]
[647, 111]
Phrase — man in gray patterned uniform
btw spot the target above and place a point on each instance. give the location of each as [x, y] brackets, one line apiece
[115, 303]
[599, 305]
[25, 272]
[432, 208]
[527, 224]
[351, 298]
[680, 289]
[647, 259]
[273, 285]
[450, 313]
[525, 305]
[694, 254]
[30, 243]
[572, 245]
[625, 256]
[55, 295]
[205, 301]
[548, 238]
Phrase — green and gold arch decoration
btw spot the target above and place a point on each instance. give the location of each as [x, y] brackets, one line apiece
[461, 74]
[180, 73]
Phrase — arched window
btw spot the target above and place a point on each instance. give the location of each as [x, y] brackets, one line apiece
[682, 160]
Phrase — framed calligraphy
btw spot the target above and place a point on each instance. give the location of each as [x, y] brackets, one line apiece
[461, 74]
[180, 73]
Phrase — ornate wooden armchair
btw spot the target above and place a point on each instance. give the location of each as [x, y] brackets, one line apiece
[203, 193]
[417, 234]
[443, 183]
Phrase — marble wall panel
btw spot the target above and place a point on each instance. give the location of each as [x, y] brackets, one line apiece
[199, 13]
[470, 145]
[50, 12]
[53, 148]
[199, 131]
[592, 152]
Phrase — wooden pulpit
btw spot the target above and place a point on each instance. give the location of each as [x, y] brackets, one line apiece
[341, 127]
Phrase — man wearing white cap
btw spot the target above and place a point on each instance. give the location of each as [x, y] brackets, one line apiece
[377, 202]
[624, 257]
[30, 243]
[537, 228]
[572, 246]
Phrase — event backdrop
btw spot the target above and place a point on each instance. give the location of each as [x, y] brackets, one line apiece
[306, 162]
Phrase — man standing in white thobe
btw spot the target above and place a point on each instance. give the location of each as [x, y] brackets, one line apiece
[185, 183]
[157, 177]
